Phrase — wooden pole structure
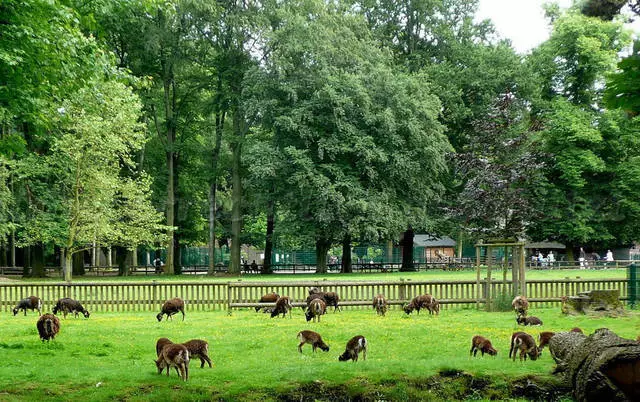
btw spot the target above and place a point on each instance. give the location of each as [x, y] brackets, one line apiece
[478, 291]
[489, 260]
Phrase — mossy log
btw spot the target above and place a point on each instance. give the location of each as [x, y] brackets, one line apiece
[594, 302]
[600, 367]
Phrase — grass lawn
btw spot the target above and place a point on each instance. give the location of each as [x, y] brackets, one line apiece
[414, 276]
[110, 355]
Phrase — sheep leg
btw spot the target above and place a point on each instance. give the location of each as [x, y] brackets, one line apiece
[300, 347]
[364, 353]
[472, 350]
[206, 357]
[182, 311]
[186, 371]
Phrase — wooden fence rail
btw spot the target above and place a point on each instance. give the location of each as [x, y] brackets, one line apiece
[202, 296]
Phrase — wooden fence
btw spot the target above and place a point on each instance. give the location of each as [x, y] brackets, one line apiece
[199, 296]
[121, 296]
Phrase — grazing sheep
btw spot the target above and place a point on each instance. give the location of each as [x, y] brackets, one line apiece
[317, 307]
[200, 349]
[67, 305]
[380, 304]
[483, 345]
[312, 338]
[177, 356]
[283, 306]
[419, 302]
[171, 307]
[268, 298]
[525, 344]
[354, 346]
[576, 329]
[544, 338]
[161, 343]
[330, 298]
[434, 307]
[520, 305]
[32, 303]
[48, 326]
[522, 320]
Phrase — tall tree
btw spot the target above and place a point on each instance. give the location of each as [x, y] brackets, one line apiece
[359, 137]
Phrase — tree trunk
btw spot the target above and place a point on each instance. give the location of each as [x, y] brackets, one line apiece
[134, 257]
[3, 253]
[122, 255]
[322, 248]
[169, 101]
[570, 256]
[346, 266]
[601, 367]
[268, 244]
[13, 249]
[213, 185]
[37, 260]
[68, 266]
[78, 263]
[236, 194]
[460, 244]
[407, 251]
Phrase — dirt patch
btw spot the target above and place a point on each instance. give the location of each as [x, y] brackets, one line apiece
[5, 279]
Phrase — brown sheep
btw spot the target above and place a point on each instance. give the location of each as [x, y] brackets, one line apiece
[161, 343]
[200, 349]
[576, 329]
[330, 298]
[312, 338]
[171, 307]
[48, 326]
[419, 302]
[283, 306]
[520, 305]
[317, 307]
[483, 345]
[268, 298]
[31, 303]
[524, 343]
[522, 320]
[355, 345]
[380, 304]
[67, 305]
[177, 356]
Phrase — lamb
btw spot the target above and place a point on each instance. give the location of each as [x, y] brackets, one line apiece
[174, 355]
[419, 302]
[48, 326]
[171, 307]
[283, 305]
[32, 303]
[525, 344]
[544, 338]
[483, 345]
[380, 304]
[520, 305]
[200, 349]
[317, 307]
[196, 347]
[312, 338]
[268, 298]
[355, 345]
[67, 305]
[522, 320]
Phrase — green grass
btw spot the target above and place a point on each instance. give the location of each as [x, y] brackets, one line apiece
[109, 356]
[414, 276]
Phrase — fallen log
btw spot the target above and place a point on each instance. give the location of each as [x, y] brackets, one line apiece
[600, 367]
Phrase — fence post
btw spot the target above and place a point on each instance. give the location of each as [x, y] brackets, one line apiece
[228, 298]
[632, 285]
[402, 290]
[154, 286]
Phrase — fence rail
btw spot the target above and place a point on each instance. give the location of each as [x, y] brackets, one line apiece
[199, 296]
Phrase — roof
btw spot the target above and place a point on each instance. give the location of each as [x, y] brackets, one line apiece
[432, 241]
[545, 245]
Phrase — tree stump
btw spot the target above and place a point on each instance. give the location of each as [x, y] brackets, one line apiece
[594, 302]
[600, 367]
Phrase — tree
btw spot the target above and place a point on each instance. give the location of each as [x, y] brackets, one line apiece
[358, 137]
[93, 199]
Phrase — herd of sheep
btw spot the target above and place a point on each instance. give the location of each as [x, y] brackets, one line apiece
[178, 355]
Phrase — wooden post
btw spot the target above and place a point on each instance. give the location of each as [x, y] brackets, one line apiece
[478, 294]
[523, 279]
[229, 298]
[489, 284]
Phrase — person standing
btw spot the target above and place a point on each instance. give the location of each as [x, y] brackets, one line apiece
[583, 258]
[608, 258]
[551, 259]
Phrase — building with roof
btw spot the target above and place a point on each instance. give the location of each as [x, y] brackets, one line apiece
[433, 248]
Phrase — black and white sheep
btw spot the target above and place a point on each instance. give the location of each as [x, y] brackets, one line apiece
[67, 305]
[30, 303]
